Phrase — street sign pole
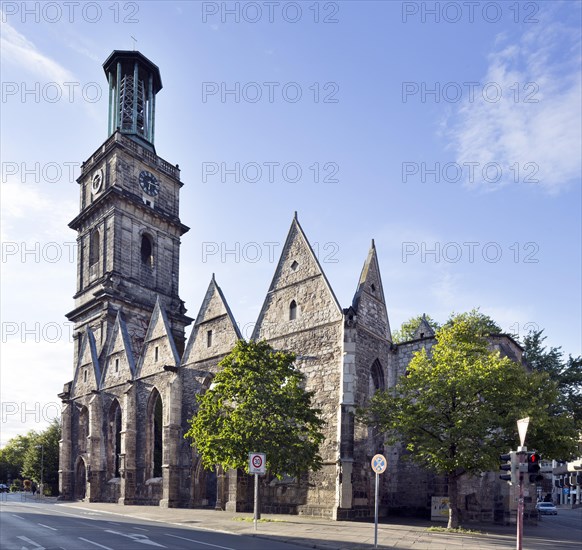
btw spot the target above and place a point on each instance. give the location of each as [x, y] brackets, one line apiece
[256, 511]
[257, 466]
[376, 512]
[379, 464]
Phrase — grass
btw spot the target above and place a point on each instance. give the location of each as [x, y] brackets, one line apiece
[250, 520]
[457, 530]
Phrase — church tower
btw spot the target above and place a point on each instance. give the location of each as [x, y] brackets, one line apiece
[128, 227]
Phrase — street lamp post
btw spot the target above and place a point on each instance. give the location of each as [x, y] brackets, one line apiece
[41, 469]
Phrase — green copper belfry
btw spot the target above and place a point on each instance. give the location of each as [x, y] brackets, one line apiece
[134, 82]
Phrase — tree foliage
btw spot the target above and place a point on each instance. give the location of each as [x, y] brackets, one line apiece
[566, 374]
[257, 404]
[12, 456]
[22, 457]
[458, 404]
[44, 451]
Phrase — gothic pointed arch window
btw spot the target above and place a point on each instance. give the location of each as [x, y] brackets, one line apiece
[114, 439]
[83, 429]
[292, 310]
[154, 435]
[377, 375]
[94, 241]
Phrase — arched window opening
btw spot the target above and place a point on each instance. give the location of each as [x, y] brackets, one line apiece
[155, 449]
[293, 310]
[377, 373]
[158, 438]
[94, 247]
[83, 429]
[114, 438]
[147, 250]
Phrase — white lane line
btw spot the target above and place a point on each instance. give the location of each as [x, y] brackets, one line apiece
[137, 538]
[95, 543]
[48, 527]
[17, 516]
[141, 529]
[200, 542]
[113, 523]
[26, 539]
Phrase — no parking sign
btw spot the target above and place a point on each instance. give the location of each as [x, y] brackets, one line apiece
[257, 463]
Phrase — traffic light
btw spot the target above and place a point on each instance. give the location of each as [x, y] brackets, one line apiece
[533, 467]
[509, 463]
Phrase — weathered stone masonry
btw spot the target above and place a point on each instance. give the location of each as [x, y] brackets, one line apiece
[135, 378]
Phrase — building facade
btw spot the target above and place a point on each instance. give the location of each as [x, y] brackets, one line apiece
[136, 377]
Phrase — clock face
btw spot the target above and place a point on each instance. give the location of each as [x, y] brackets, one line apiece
[149, 183]
[97, 182]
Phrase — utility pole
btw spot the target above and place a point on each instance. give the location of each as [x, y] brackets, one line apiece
[521, 453]
[41, 492]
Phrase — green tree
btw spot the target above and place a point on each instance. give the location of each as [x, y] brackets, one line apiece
[567, 375]
[408, 328]
[44, 451]
[12, 456]
[257, 404]
[457, 407]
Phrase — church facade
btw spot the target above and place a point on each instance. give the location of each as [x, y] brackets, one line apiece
[136, 377]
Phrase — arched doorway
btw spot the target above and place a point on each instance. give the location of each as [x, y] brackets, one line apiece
[80, 479]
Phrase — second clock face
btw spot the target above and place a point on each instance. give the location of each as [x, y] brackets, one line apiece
[149, 183]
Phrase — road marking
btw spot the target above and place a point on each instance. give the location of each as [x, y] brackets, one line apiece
[137, 538]
[113, 523]
[200, 542]
[141, 529]
[26, 539]
[16, 516]
[47, 526]
[95, 543]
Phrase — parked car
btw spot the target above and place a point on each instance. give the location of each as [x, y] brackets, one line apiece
[3, 488]
[546, 508]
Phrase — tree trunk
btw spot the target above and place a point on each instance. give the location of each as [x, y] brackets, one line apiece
[453, 502]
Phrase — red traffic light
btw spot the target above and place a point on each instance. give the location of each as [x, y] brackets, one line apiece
[534, 458]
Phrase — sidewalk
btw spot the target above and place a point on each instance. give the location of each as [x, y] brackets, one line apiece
[393, 532]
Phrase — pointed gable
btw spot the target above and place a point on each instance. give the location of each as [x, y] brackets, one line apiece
[87, 373]
[159, 349]
[424, 330]
[119, 362]
[215, 331]
[300, 295]
[369, 303]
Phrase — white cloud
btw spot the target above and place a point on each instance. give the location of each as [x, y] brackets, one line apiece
[536, 125]
[17, 50]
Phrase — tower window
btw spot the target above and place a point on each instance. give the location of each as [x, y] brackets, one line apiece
[94, 247]
[156, 353]
[293, 310]
[209, 339]
[147, 250]
[117, 365]
[373, 287]
[294, 265]
[85, 375]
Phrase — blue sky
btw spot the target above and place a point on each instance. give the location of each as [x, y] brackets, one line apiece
[502, 131]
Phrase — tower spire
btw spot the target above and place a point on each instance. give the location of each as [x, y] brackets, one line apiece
[134, 82]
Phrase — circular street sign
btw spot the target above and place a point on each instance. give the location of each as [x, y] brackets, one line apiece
[257, 461]
[379, 464]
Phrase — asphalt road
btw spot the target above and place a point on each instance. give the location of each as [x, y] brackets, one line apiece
[27, 524]
[36, 526]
